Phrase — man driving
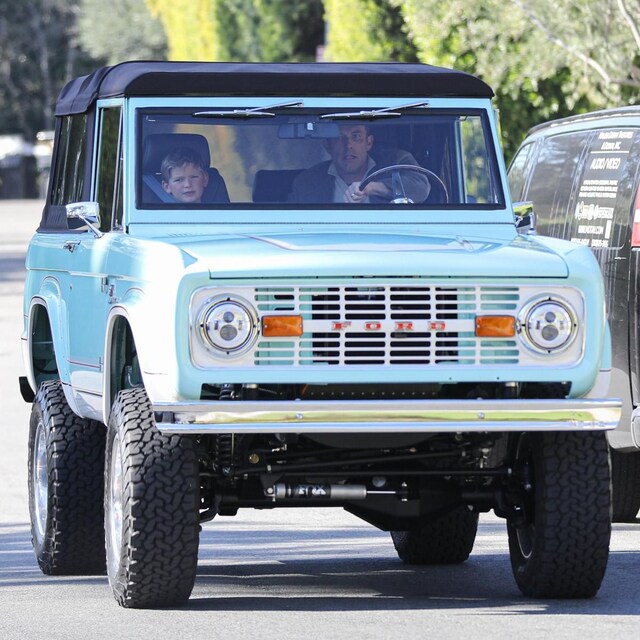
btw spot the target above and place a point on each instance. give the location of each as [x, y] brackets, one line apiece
[338, 180]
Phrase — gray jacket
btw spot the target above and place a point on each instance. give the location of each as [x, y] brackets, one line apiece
[316, 185]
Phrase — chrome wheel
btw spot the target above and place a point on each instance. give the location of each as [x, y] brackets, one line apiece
[40, 482]
[114, 510]
[526, 536]
[526, 530]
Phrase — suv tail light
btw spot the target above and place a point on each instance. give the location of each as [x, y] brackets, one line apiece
[635, 231]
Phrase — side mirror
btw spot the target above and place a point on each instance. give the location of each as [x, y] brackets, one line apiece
[88, 212]
[525, 218]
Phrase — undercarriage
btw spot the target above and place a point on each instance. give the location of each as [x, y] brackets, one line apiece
[393, 481]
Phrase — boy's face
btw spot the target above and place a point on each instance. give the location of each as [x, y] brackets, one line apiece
[186, 183]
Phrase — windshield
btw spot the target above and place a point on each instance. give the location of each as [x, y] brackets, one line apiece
[295, 157]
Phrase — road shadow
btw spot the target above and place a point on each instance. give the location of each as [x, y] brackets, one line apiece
[18, 565]
[356, 569]
[242, 569]
[484, 582]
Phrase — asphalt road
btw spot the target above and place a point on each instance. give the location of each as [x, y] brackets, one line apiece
[282, 574]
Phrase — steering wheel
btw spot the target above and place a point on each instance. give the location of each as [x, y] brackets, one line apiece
[399, 195]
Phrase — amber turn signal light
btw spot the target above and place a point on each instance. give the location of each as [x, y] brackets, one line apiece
[281, 326]
[495, 326]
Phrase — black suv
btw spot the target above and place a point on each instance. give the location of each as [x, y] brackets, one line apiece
[582, 176]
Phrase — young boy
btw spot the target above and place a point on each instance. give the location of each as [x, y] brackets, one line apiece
[184, 176]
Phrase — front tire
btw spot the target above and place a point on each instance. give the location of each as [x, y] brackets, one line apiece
[445, 540]
[151, 507]
[560, 530]
[65, 476]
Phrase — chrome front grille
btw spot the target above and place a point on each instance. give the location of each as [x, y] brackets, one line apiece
[386, 325]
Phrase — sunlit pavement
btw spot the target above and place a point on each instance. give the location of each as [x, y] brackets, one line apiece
[287, 573]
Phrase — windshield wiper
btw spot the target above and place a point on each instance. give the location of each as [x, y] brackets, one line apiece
[388, 112]
[255, 112]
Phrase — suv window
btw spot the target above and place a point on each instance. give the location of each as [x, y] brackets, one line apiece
[68, 181]
[518, 173]
[601, 212]
[476, 162]
[109, 183]
[559, 156]
[581, 185]
[293, 157]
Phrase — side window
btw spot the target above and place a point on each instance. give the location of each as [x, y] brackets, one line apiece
[601, 214]
[478, 176]
[60, 155]
[518, 171]
[553, 181]
[68, 180]
[118, 204]
[109, 183]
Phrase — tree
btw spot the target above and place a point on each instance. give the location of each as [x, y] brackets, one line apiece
[600, 42]
[533, 80]
[367, 30]
[271, 30]
[259, 30]
[119, 30]
[191, 28]
[38, 55]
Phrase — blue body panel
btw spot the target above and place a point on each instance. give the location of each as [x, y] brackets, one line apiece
[149, 271]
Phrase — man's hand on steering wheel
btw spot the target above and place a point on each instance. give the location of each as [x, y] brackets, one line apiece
[355, 195]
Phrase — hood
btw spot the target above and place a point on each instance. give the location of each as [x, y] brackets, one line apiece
[318, 254]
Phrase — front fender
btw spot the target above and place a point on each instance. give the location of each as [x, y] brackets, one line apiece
[154, 338]
[49, 296]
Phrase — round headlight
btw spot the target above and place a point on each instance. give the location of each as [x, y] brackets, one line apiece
[227, 325]
[549, 325]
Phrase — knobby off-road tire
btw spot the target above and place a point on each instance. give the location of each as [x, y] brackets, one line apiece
[65, 476]
[625, 480]
[446, 540]
[559, 543]
[151, 507]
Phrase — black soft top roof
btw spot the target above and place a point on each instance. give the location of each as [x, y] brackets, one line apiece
[267, 79]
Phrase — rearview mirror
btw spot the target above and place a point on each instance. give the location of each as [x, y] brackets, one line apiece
[303, 130]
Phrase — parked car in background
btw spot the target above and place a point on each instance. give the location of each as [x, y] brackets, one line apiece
[292, 285]
[18, 168]
[582, 176]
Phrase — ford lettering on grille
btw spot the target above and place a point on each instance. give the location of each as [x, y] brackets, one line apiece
[386, 325]
[397, 326]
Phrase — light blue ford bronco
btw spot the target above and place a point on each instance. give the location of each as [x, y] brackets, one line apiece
[296, 285]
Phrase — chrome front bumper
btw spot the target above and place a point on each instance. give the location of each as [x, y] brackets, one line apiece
[402, 416]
